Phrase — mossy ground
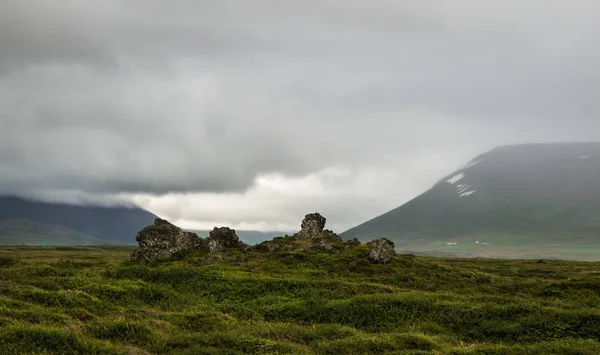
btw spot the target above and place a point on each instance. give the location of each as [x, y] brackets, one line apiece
[90, 300]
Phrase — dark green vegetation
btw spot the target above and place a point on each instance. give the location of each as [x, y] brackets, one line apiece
[56, 223]
[88, 300]
[528, 201]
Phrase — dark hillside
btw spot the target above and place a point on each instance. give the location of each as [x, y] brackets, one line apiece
[116, 225]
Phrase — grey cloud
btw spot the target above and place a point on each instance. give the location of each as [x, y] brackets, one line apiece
[156, 97]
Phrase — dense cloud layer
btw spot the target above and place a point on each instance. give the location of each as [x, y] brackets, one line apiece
[173, 104]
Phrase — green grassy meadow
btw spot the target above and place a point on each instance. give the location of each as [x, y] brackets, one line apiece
[92, 300]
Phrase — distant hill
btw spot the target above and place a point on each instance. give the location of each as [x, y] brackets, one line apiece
[22, 232]
[514, 196]
[112, 225]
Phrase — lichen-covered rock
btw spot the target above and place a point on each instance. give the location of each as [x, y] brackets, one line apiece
[214, 246]
[223, 238]
[312, 227]
[382, 250]
[163, 239]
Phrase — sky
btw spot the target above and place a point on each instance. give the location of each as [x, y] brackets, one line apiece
[252, 114]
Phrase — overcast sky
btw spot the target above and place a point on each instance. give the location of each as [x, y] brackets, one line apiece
[254, 113]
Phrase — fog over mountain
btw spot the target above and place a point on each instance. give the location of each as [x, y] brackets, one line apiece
[252, 114]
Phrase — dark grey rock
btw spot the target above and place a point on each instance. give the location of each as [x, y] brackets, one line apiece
[382, 250]
[163, 239]
[223, 238]
[312, 227]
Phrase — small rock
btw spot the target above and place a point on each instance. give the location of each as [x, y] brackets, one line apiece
[214, 246]
[382, 250]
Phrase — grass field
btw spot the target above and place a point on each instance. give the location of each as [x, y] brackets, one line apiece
[91, 300]
[499, 246]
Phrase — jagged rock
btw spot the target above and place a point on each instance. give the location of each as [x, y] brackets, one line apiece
[382, 250]
[352, 242]
[163, 239]
[215, 247]
[223, 238]
[312, 227]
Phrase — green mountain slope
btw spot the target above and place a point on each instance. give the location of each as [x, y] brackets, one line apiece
[19, 232]
[525, 195]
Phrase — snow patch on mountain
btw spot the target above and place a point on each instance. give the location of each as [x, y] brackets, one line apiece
[468, 193]
[456, 178]
[471, 164]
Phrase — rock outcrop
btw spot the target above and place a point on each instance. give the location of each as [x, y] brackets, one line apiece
[223, 238]
[163, 239]
[382, 250]
[312, 227]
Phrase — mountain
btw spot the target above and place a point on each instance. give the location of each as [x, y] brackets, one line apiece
[113, 225]
[21, 231]
[513, 197]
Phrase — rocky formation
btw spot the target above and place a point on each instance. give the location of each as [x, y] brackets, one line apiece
[312, 227]
[382, 250]
[163, 239]
[223, 238]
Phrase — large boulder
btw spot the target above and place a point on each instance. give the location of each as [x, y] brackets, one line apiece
[312, 227]
[163, 239]
[223, 238]
[382, 250]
